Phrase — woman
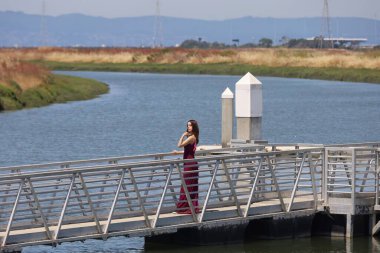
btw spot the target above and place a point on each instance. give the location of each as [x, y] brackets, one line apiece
[189, 141]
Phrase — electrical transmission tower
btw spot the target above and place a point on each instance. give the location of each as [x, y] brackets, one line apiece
[157, 38]
[43, 30]
[325, 29]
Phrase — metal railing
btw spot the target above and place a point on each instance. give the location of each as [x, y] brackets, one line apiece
[350, 172]
[106, 197]
[377, 181]
[120, 160]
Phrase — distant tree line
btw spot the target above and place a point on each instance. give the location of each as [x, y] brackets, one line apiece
[264, 42]
[317, 42]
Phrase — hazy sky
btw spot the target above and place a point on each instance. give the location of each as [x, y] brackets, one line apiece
[199, 9]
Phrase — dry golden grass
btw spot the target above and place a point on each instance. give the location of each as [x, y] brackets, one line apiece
[273, 57]
[25, 74]
[309, 57]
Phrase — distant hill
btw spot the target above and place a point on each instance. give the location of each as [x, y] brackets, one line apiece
[17, 28]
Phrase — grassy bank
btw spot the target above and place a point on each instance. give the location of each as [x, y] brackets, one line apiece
[56, 89]
[326, 64]
[323, 73]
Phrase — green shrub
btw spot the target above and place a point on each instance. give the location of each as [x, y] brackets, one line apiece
[59, 89]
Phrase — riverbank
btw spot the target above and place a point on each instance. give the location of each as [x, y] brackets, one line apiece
[56, 89]
[325, 64]
[330, 73]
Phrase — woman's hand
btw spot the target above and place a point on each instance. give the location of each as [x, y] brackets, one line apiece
[182, 142]
[177, 152]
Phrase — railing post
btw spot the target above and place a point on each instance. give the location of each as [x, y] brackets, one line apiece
[44, 220]
[209, 190]
[163, 196]
[377, 172]
[64, 208]
[216, 184]
[139, 198]
[10, 221]
[86, 192]
[353, 181]
[365, 177]
[312, 169]
[253, 188]
[100, 196]
[106, 226]
[148, 184]
[296, 183]
[273, 174]
[232, 188]
[325, 173]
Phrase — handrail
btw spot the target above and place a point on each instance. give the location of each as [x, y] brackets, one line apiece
[168, 154]
[136, 165]
[103, 199]
[108, 196]
[66, 164]
[365, 144]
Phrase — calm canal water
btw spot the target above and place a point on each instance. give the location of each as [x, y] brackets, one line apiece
[146, 113]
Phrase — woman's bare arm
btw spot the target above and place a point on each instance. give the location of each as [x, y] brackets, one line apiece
[190, 140]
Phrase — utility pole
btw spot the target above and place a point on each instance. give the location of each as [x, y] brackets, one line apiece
[158, 38]
[43, 30]
[325, 29]
[376, 30]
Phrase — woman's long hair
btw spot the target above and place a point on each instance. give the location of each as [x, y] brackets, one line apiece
[195, 126]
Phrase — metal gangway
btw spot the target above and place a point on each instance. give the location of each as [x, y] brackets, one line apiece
[351, 182]
[137, 195]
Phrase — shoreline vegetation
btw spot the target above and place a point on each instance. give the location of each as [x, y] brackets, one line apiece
[26, 85]
[332, 73]
[26, 81]
[360, 65]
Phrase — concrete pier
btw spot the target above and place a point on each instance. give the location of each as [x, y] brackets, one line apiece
[227, 116]
[249, 108]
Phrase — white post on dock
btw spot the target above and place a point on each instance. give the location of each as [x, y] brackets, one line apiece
[249, 108]
[227, 116]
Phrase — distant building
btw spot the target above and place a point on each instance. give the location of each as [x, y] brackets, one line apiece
[341, 41]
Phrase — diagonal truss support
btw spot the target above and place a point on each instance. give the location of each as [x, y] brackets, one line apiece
[253, 188]
[296, 183]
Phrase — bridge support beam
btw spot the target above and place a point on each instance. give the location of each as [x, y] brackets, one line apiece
[342, 225]
[375, 226]
[349, 225]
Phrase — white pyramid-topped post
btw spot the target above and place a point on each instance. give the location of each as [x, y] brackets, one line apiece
[248, 107]
[227, 116]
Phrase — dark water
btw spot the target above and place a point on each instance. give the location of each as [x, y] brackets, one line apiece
[146, 113]
[300, 245]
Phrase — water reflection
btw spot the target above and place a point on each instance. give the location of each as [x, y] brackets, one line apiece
[298, 245]
[112, 244]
